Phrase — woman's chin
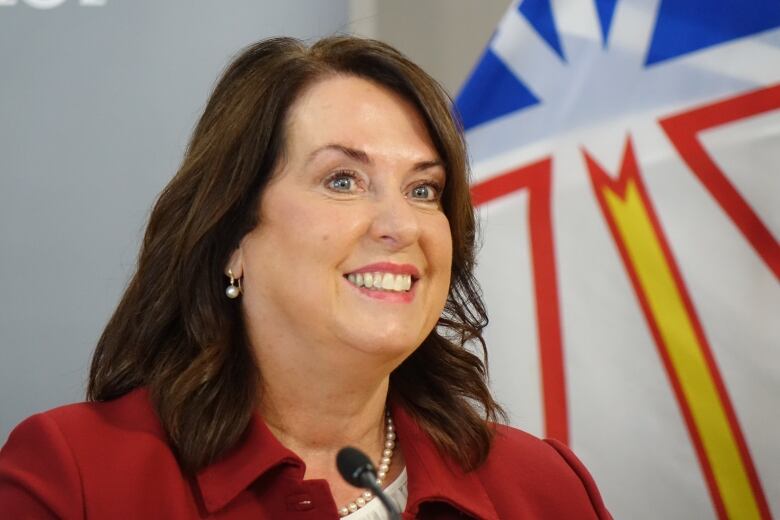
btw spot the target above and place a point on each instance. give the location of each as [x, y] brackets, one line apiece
[383, 348]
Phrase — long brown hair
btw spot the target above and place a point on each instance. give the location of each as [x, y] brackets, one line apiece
[176, 333]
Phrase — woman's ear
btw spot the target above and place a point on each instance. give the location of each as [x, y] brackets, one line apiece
[235, 265]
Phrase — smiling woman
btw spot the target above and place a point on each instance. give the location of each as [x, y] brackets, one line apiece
[368, 205]
[305, 283]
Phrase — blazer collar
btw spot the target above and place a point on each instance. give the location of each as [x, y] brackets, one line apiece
[258, 452]
[434, 477]
[431, 476]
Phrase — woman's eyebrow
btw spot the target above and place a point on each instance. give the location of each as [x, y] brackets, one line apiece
[363, 157]
[352, 153]
[424, 165]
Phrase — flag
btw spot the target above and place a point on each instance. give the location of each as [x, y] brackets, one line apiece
[626, 173]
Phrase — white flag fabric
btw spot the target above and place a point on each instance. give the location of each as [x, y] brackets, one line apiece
[626, 161]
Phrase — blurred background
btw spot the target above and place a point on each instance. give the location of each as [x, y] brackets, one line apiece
[625, 157]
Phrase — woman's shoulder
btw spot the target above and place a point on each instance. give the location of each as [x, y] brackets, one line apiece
[55, 459]
[89, 425]
[131, 412]
[545, 470]
[88, 431]
[510, 442]
[518, 454]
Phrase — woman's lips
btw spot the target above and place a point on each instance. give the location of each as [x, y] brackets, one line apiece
[386, 281]
[389, 267]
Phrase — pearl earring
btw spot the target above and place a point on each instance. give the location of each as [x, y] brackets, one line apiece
[233, 290]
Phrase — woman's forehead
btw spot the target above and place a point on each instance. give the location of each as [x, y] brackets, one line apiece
[356, 114]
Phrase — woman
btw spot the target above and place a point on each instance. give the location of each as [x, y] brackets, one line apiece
[305, 283]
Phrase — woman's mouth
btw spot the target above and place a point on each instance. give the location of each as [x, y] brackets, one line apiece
[379, 281]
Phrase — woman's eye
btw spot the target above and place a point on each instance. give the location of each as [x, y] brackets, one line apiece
[426, 192]
[342, 182]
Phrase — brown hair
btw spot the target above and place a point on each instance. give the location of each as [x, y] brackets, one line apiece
[176, 333]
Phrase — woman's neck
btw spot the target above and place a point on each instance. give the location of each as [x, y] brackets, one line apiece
[316, 420]
[317, 416]
[316, 406]
[318, 398]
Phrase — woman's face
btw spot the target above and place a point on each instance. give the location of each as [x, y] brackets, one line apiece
[354, 202]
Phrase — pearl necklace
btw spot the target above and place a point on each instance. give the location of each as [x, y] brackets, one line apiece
[384, 467]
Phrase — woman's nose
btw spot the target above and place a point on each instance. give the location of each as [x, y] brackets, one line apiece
[396, 222]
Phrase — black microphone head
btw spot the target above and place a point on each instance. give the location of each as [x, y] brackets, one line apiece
[354, 466]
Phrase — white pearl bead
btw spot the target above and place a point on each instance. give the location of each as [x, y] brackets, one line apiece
[232, 292]
[387, 452]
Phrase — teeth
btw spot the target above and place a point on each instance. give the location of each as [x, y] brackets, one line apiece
[382, 281]
[388, 282]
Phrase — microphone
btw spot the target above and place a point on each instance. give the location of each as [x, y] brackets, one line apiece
[356, 468]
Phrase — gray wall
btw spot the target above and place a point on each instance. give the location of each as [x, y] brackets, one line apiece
[96, 105]
[444, 37]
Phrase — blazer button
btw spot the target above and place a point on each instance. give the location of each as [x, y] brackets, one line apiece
[301, 502]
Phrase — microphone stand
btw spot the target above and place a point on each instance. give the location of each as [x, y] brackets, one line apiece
[355, 467]
[369, 482]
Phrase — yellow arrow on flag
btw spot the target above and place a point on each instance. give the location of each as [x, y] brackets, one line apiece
[692, 370]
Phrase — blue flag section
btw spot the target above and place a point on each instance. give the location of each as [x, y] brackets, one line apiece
[539, 14]
[688, 26]
[505, 92]
[625, 162]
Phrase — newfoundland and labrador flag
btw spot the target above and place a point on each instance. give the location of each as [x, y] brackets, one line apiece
[626, 158]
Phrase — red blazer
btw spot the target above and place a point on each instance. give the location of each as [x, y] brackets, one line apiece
[111, 460]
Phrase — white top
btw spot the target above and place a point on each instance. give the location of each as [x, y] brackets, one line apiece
[397, 491]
